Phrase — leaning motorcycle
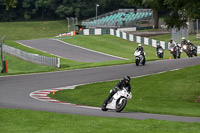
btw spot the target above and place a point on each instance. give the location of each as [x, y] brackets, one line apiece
[176, 52]
[139, 57]
[190, 50]
[160, 52]
[118, 101]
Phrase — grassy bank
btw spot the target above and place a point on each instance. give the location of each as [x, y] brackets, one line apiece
[32, 30]
[114, 46]
[23, 121]
[172, 93]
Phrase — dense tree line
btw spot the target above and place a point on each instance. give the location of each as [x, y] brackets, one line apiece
[56, 9]
[176, 12]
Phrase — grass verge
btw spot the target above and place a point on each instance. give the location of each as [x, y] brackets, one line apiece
[172, 93]
[23, 121]
[114, 46]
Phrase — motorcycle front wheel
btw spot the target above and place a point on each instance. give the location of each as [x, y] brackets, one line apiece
[137, 62]
[121, 106]
[103, 107]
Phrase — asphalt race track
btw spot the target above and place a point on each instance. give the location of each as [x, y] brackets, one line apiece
[15, 90]
[68, 51]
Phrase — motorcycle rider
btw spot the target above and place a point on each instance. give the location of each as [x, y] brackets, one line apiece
[140, 48]
[172, 44]
[184, 41]
[124, 83]
[158, 46]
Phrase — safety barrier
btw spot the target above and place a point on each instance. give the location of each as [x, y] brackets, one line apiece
[34, 58]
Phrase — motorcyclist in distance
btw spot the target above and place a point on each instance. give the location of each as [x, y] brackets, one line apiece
[172, 44]
[140, 48]
[184, 41]
[158, 46]
[124, 83]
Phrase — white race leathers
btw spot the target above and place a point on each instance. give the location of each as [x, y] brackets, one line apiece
[119, 95]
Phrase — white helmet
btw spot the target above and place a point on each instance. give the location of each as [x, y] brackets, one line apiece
[183, 38]
[188, 41]
[139, 45]
[158, 44]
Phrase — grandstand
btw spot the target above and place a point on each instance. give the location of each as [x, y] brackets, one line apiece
[120, 18]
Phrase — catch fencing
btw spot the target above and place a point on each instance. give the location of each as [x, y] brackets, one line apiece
[34, 58]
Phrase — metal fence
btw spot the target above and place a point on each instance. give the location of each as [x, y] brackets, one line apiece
[177, 34]
[34, 58]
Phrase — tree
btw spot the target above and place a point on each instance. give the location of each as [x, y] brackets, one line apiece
[177, 11]
[10, 3]
[155, 5]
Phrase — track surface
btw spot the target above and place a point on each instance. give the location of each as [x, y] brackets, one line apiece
[68, 51]
[15, 90]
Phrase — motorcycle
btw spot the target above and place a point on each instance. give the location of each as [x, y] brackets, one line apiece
[160, 52]
[190, 50]
[118, 101]
[139, 57]
[176, 52]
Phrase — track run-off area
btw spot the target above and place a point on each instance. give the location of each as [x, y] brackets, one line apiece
[16, 90]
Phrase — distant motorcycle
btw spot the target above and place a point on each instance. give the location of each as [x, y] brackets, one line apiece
[139, 57]
[118, 101]
[189, 49]
[160, 52]
[176, 52]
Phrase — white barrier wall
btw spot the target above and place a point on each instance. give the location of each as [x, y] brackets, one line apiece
[198, 49]
[154, 42]
[124, 35]
[146, 41]
[97, 31]
[86, 32]
[112, 32]
[127, 29]
[138, 39]
[117, 33]
[162, 44]
[130, 37]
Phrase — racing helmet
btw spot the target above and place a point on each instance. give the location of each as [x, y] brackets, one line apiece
[183, 38]
[139, 45]
[127, 78]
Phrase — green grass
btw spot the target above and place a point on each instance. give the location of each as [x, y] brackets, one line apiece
[18, 66]
[27, 121]
[192, 38]
[32, 30]
[167, 93]
[114, 46]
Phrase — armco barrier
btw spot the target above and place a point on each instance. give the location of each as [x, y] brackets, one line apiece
[34, 58]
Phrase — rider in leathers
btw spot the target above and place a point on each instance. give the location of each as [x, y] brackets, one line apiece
[125, 83]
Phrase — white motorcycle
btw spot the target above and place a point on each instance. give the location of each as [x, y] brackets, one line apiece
[139, 57]
[160, 52]
[118, 101]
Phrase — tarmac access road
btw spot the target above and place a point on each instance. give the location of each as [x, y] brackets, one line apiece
[69, 51]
